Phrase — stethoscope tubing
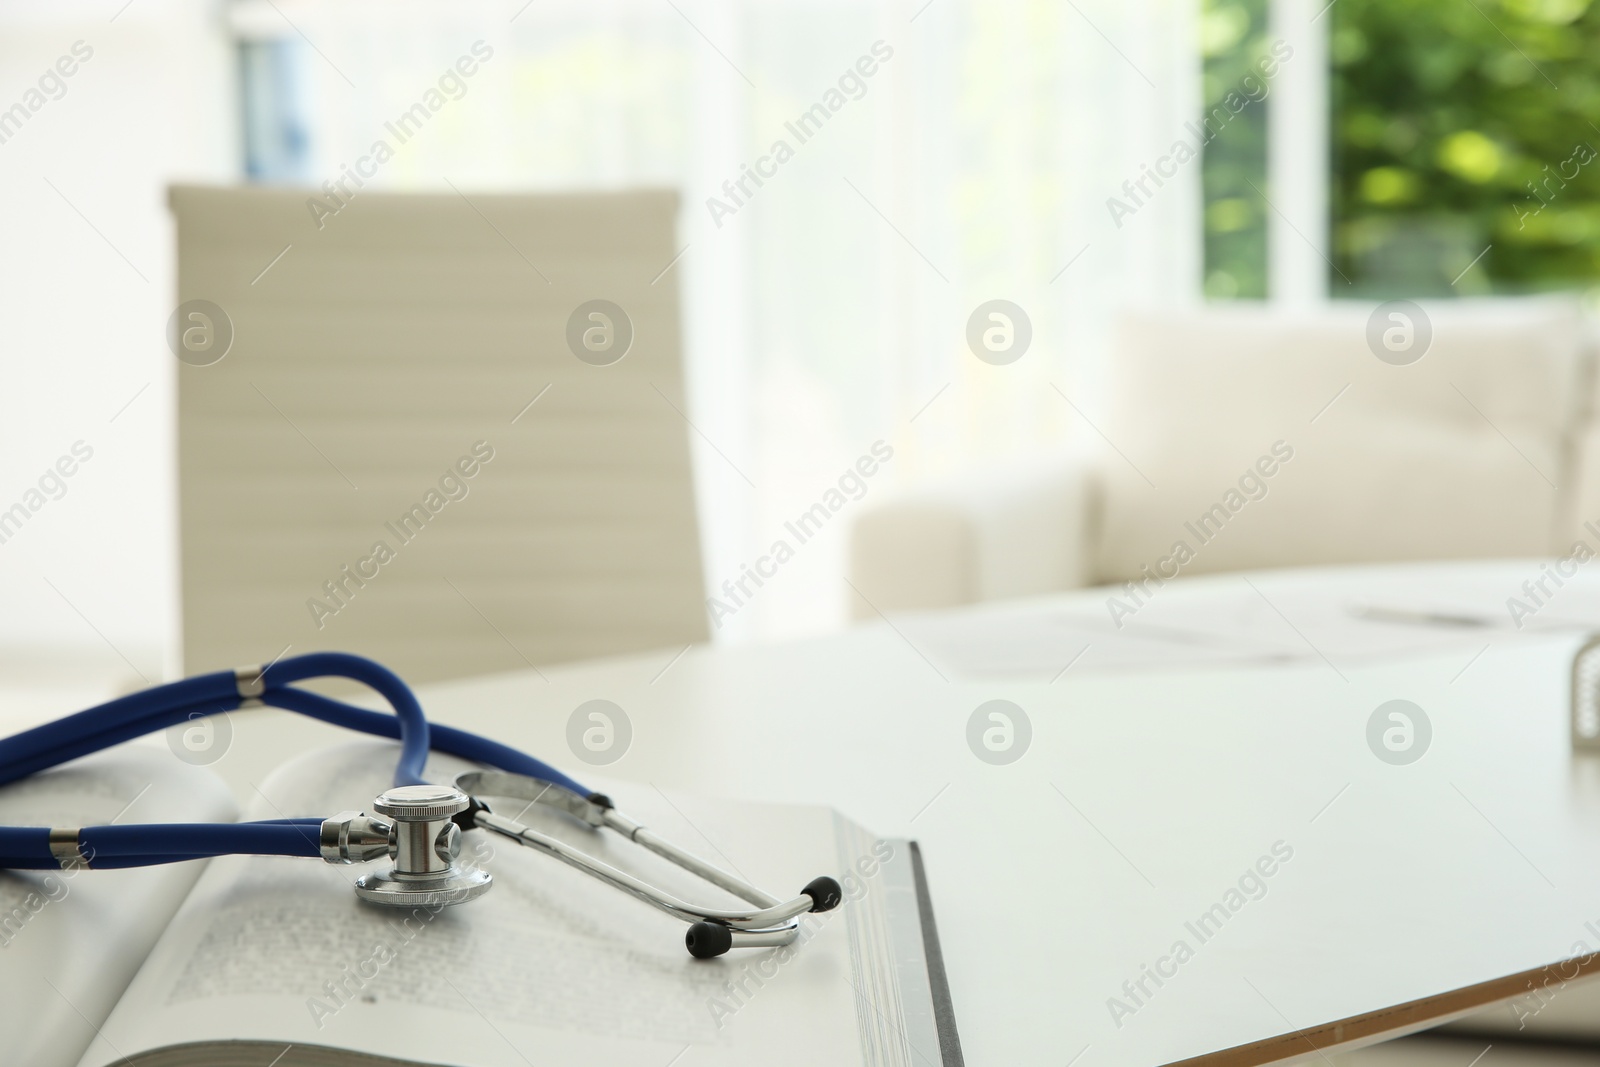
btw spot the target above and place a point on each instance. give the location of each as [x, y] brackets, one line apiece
[137, 845]
[208, 694]
[352, 836]
[158, 708]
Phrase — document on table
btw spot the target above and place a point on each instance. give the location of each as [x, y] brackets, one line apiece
[1233, 620]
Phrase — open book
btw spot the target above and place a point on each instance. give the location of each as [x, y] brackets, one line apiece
[258, 961]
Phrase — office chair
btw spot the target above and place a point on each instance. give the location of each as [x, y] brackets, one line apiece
[406, 429]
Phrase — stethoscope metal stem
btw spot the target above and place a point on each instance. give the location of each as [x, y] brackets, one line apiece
[767, 917]
[689, 861]
[712, 931]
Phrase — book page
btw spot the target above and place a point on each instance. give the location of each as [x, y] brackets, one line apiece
[1285, 620]
[70, 941]
[549, 965]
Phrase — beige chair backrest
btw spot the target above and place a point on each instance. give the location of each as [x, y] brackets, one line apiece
[400, 453]
[1253, 438]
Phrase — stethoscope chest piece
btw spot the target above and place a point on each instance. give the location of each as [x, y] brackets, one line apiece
[425, 842]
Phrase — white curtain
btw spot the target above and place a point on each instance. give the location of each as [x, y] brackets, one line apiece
[826, 313]
[88, 581]
[826, 307]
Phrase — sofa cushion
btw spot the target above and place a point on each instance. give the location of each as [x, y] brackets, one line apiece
[1253, 437]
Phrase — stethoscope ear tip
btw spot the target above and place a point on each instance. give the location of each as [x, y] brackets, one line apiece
[707, 941]
[824, 893]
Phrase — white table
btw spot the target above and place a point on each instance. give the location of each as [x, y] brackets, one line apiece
[1146, 794]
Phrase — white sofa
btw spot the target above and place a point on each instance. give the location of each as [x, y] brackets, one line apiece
[1244, 437]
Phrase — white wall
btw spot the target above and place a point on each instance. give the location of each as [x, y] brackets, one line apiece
[89, 579]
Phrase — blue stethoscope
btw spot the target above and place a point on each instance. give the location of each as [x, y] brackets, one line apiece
[416, 824]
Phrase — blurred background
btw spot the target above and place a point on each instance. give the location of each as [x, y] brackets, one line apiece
[1358, 151]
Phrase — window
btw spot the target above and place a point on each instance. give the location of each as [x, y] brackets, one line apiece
[1233, 38]
[1464, 146]
[1462, 141]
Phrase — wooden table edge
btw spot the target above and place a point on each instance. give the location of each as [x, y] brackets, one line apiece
[1400, 1019]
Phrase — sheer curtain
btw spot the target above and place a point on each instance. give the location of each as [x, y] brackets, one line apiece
[965, 151]
[87, 567]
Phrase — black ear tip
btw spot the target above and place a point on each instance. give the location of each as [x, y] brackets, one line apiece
[708, 940]
[824, 893]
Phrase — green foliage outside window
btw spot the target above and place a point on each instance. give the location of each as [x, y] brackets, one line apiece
[1460, 126]
[1233, 39]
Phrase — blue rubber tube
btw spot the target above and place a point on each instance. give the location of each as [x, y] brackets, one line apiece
[28, 847]
[218, 688]
[163, 706]
[70, 747]
[412, 725]
[153, 709]
[201, 839]
[448, 739]
[445, 738]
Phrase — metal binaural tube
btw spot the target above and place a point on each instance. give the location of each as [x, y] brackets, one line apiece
[751, 920]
